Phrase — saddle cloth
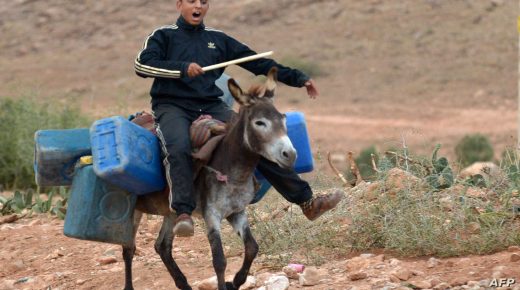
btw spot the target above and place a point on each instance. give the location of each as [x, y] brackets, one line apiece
[205, 135]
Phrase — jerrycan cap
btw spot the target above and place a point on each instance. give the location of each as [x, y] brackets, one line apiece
[85, 160]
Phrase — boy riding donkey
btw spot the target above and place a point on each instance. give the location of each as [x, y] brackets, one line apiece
[182, 92]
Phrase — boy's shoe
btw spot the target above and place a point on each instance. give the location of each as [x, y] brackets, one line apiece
[318, 205]
[183, 226]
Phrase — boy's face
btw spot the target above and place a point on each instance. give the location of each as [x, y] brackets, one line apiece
[193, 11]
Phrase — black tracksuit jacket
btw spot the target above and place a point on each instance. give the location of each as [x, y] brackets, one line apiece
[169, 50]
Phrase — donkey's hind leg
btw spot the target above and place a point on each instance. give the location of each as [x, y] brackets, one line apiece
[241, 227]
[163, 246]
[129, 251]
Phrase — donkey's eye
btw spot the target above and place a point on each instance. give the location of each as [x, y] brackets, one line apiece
[260, 123]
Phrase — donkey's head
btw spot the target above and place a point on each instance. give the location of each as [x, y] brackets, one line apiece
[264, 131]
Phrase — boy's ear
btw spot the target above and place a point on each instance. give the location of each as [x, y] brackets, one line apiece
[238, 94]
[270, 83]
[178, 4]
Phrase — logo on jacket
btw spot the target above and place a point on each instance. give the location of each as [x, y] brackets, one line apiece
[211, 45]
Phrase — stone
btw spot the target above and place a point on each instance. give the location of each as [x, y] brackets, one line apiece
[357, 276]
[458, 281]
[421, 284]
[435, 281]
[80, 281]
[489, 170]
[290, 272]
[277, 282]
[7, 285]
[515, 257]
[432, 263]
[513, 249]
[394, 262]
[402, 274]
[107, 260]
[310, 277]
[249, 284]
[208, 284]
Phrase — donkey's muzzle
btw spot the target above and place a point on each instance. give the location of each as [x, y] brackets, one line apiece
[288, 157]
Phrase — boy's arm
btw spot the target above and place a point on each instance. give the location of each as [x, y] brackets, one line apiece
[151, 61]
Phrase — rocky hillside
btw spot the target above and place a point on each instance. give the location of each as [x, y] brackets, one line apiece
[386, 67]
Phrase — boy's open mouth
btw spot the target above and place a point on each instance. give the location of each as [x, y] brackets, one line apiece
[196, 15]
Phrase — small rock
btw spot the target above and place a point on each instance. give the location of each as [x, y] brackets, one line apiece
[402, 274]
[80, 281]
[394, 279]
[208, 284]
[310, 277]
[421, 284]
[515, 257]
[513, 249]
[8, 285]
[394, 262]
[277, 283]
[435, 281]
[366, 256]
[459, 281]
[432, 262]
[357, 276]
[107, 260]
[290, 272]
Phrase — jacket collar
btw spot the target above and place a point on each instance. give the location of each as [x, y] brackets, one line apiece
[183, 24]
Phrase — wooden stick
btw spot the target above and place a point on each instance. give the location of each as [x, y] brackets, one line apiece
[240, 60]
[345, 182]
[374, 166]
[353, 168]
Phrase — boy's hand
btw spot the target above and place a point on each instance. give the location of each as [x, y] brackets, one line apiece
[194, 70]
[312, 90]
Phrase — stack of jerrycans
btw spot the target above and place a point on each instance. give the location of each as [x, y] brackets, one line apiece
[108, 166]
[125, 162]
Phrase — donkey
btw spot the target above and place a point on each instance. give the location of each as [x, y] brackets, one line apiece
[258, 130]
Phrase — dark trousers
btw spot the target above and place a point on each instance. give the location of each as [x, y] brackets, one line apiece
[173, 124]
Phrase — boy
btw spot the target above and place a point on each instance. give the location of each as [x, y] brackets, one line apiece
[182, 91]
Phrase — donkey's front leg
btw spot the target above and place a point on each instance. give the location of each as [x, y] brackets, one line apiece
[129, 251]
[163, 246]
[241, 226]
[219, 260]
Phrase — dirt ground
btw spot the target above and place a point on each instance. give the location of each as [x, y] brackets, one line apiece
[36, 255]
[393, 73]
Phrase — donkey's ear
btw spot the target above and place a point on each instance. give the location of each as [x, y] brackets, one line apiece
[238, 94]
[270, 84]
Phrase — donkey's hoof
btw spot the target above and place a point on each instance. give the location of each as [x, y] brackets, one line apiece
[229, 286]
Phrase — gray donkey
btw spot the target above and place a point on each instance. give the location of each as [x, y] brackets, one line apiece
[258, 130]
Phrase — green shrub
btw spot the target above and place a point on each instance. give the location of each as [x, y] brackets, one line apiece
[474, 148]
[19, 120]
